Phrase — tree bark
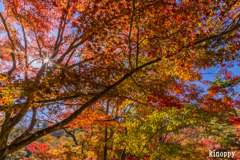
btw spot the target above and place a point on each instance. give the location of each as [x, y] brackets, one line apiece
[105, 138]
[122, 154]
[2, 158]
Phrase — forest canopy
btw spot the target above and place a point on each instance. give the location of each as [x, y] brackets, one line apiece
[118, 79]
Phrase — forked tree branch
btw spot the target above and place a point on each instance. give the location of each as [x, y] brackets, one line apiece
[72, 135]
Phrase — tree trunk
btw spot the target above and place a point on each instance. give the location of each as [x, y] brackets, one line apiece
[105, 137]
[122, 156]
[2, 158]
[105, 149]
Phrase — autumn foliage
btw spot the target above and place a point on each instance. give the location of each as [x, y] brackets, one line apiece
[118, 79]
[39, 149]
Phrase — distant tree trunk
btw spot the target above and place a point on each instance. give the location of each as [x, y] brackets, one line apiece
[122, 154]
[82, 147]
[105, 136]
[105, 146]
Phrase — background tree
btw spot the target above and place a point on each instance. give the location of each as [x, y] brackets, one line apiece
[65, 59]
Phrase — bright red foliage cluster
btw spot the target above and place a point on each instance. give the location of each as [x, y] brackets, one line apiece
[39, 149]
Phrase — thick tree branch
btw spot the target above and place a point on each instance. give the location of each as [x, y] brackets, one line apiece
[14, 121]
[4, 126]
[30, 128]
[237, 26]
[2, 108]
[39, 47]
[25, 52]
[60, 33]
[70, 57]
[137, 47]
[129, 36]
[67, 98]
